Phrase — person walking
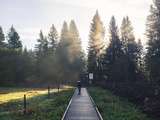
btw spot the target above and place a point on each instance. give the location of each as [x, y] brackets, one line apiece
[79, 87]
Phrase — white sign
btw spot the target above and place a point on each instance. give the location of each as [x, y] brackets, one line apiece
[91, 76]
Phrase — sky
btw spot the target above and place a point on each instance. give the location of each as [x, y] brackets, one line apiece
[31, 16]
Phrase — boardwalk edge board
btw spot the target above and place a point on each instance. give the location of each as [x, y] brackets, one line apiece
[64, 115]
[95, 106]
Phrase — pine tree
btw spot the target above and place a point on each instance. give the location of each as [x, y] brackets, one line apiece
[64, 32]
[53, 38]
[14, 39]
[42, 53]
[96, 45]
[127, 35]
[42, 46]
[140, 60]
[153, 49]
[2, 38]
[75, 49]
[11, 59]
[130, 48]
[115, 43]
[113, 58]
[62, 48]
[27, 62]
[62, 54]
[69, 52]
[75, 40]
[152, 58]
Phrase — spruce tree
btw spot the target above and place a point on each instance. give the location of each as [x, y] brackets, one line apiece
[75, 40]
[140, 61]
[130, 48]
[62, 54]
[42, 53]
[96, 46]
[53, 38]
[75, 49]
[153, 49]
[63, 44]
[69, 52]
[14, 39]
[42, 46]
[152, 58]
[127, 35]
[115, 44]
[2, 38]
[113, 58]
[64, 32]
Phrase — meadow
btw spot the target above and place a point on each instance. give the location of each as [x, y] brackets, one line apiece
[39, 105]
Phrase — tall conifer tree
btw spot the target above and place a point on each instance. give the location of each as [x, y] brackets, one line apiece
[2, 38]
[113, 57]
[153, 49]
[130, 48]
[96, 45]
[53, 38]
[14, 39]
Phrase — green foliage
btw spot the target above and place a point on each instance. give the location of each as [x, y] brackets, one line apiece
[2, 38]
[45, 57]
[38, 107]
[96, 46]
[12, 62]
[153, 33]
[48, 63]
[16, 64]
[132, 50]
[53, 38]
[113, 55]
[9, 62]
[42, 46]
[112, 107]
[122, 58]
[152, 58]
[69, 53]
[13, 39]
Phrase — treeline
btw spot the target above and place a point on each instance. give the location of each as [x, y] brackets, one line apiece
[56, 59]
[123, 65]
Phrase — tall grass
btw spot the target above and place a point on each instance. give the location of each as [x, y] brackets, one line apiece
[39, 107]
[112, 107]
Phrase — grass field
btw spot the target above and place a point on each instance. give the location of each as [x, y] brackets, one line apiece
[39, 106]
[112, 107]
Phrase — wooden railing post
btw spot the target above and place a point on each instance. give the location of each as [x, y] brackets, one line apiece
[24, 105]
[48, 91]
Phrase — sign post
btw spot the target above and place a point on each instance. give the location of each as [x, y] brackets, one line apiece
[90, 78]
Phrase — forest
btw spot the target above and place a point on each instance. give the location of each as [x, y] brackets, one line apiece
[122, 64]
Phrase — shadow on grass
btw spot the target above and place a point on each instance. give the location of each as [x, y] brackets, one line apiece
[39, 107]
[113, 107]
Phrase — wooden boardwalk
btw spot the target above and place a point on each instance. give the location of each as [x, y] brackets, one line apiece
[81, 107]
